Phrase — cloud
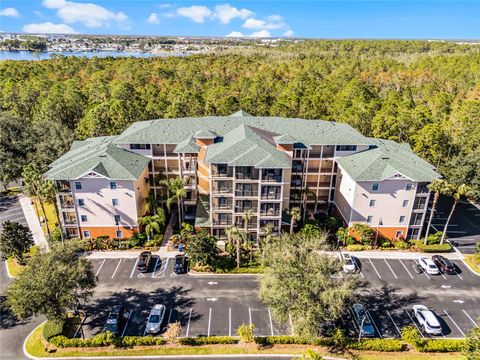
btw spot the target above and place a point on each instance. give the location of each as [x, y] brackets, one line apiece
[225, 13]
[38, 13]
[91, 15]
[261, 33]
[288, 33]
[48, 28]
[274, 17]
[164, 6]
[235, 34]
[257, 24]
[153, 19]
[196, 13]
[10, 11]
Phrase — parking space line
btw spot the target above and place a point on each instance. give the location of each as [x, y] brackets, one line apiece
[442, 274]
[126, 324]
[229, 321]
[119, 261]
[134, 268]
[374, 268]
[188, 324]
[166, 267]
[456, 273]
[401, 262]
[473, 321]
[271, 322]
[374, 324]
[396, 327]
[414, 323]
[155, 266]
[454, 323]
[386, 262]
[209, 321]
[100, 268]
[250, 316]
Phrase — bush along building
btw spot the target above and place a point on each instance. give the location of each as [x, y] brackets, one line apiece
[238, 164]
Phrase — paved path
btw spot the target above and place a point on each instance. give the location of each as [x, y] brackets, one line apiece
[400, 254]
[33, 223]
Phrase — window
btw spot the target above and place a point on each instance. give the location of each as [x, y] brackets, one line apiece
[81, 202]
[372, 203]
[369, 219]
[139, 146]
[84, 218]
[119, 234]
[405, 203]
[399, 234]
[115, 202]
[375, 187]
[409, 187]
[116, 218]
[346, 147]
[78, 185]
[86, 234]
[113, 185]
[402, 219]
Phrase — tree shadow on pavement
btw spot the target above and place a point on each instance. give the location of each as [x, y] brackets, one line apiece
[7, 319]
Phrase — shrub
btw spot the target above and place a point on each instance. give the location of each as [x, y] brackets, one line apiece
[442, 345]
[246, 333]
[173, 331]
[129, 341]
[287, 339]
[137, 240]
[411, 335]
[52, 328]
[358, 247]
[104, 339]
[401, 245]
[208, 340]
[385, 345]
[433, 239]
[351, 240]
[437, 248]
[386, 245]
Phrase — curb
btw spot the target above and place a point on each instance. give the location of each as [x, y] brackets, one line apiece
[200, 274]
[8, 271]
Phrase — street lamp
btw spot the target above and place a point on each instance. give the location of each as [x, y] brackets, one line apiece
[380, 223]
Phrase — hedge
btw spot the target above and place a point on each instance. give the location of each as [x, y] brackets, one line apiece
[358, 247]
[107, 339]
[441, 345]
[52, 328]
[436, 248]
[208, 340]
[384, 345]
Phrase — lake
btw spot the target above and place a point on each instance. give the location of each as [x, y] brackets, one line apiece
[30, 55]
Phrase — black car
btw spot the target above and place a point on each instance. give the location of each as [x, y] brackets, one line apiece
[444, 264]
[144, 261]
[180, 264]
[116, 319]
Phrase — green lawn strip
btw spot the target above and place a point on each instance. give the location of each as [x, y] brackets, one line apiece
[50, 214]
[473, 262]
[14, 268]
[10, 191]
[409, 356]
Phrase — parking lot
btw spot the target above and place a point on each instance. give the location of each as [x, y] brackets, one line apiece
[10, 209]
[217, 305]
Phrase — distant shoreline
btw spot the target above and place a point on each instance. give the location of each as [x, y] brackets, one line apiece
[45, 55]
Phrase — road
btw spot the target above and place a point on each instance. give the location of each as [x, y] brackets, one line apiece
[11, 210]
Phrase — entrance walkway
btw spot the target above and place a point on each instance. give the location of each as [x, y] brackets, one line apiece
[33, 223]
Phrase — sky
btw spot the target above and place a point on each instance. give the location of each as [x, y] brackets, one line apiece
[262, 18]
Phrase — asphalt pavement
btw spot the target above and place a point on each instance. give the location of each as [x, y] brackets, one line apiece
[10, 209]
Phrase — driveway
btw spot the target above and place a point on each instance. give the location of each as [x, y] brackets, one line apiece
[10, 209]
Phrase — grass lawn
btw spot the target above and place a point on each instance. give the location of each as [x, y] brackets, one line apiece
[14, 268]
[35, 346]
[50, 212]
[473, 261]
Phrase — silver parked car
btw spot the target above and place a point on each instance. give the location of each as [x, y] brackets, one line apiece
[155, 319]
[427, 320]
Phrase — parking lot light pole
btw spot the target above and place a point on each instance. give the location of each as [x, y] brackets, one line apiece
[361, 327]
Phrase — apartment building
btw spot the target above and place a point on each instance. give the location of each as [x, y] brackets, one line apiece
[242, 164]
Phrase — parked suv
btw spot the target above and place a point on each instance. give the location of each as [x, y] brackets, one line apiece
[144, 260]
[116, 319]
[180, 264]
[427, 320]
[363, 321]
[155, 319]
[445, 265]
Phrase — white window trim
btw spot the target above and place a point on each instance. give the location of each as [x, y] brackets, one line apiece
[79, 202]
[89, 234]
[378, 187]
[400, 220]
[81, 218]
[113, 202]
[75, 185]
[407, 185]
[405, 204]
[374, 203]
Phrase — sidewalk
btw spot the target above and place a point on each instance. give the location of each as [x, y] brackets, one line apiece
[33, 222]
[162, 252]
[400, 254]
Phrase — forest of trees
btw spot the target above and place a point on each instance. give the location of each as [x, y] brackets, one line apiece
[424, 93]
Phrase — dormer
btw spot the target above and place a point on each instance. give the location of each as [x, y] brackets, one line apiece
[204, 137]
[284, 142]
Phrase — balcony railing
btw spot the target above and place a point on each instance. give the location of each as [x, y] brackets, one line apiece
[222, 222]
[296, 182]
[270, 213]
[246, 176]
[70, 221]
[223, 189]
[270, 197]
[240, 193]
[244, 209]
[67, 204]
[297, 168]
[272, 178]
[222, 206]
[326, 170]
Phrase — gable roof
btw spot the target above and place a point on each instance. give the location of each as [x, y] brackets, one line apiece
[101, 156]
[387, 160]
[247, 146]
[188, 145]
[204, 134]
[307, 132]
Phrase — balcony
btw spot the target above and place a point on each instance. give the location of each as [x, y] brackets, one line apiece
[297, 168]
[63, 186]
[270, 196]
[69, 220]
[272, 178]
[244, 209]
[270, 212]
[296, 182]
[222, 189]
[315, 155]
[326, 170]
[324, 184]
[245, 193]
[217, 222]
[221, 170]
[246, 175]
[66, 204]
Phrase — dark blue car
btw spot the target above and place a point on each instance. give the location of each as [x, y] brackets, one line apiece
[363, 321]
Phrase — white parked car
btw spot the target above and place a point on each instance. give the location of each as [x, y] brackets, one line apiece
[349, 265]
[428, 265]
[155, 319]
[427, 320]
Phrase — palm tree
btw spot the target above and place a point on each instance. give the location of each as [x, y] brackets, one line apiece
[438, 187]
[233, 234]
[153, 223]
[33, 180]
[151, 204]
[176, 193]
[247, 216]
[48, 191]
[305, 192]
[295, 215]
[457, 193]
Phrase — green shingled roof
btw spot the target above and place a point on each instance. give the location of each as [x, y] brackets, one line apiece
[247, 146]
[204, 134]
[202, 216]
[188, 145]
[308, 132]
[101, 156]
[386, 160]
